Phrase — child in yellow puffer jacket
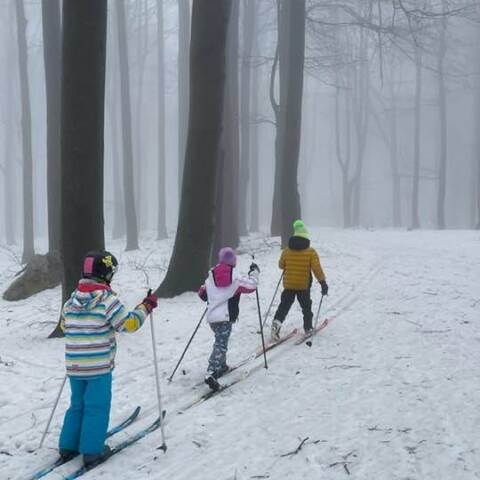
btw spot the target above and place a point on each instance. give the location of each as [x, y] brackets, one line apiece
[298, 261]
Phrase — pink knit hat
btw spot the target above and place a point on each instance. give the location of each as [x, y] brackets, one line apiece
[227, 256]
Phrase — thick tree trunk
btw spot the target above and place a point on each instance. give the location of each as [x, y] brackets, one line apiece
[291, 115]
[415, 221]
[231, 140]
[128, 182]
[161, 219]
[9, 194]
[27, 159]
[442, 104]
[82, 132]
[183, 83]
[280, 65]
[254, 149]
[52, 60]
[191, 254]
[248, 33]
[140, 165]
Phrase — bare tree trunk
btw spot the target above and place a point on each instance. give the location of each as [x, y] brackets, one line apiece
[248, 32]
[291, 115]
[27, 161]
[254, 153]
[442, 103]
[417, 125]
[183, 83]
[361, 117]
[118, 227]
[82, 129]
[231, 140]
[161, 220]
[140, 165]
[191, 254]
[52, 60]
[10, 203]
[128, 183]
[279, 65]
[396, 191]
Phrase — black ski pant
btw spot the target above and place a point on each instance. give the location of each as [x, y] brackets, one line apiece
[305, 301]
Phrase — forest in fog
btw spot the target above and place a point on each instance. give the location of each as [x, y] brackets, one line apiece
[238, 116]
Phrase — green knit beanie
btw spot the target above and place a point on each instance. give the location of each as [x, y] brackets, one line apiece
[300, 230]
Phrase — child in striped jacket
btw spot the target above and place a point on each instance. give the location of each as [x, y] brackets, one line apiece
[90, 319]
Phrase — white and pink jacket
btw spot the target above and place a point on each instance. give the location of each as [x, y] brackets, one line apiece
[222, 290]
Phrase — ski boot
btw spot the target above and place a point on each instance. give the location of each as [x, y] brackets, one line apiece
[224, 370]
[211, 381]
[90, 460]
[276, 327]
[66, 455]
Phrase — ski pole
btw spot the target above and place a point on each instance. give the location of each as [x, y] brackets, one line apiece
[309, 342]
[261, 327]
[157, 381]
[260, 322]
[188, 345]
[53, 411]
[273, 299]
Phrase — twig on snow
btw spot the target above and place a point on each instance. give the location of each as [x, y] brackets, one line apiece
[302, 443]
[344, 367]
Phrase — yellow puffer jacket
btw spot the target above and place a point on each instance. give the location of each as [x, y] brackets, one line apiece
[297, 262]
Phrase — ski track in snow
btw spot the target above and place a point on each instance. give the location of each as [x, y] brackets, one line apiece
[389, 390]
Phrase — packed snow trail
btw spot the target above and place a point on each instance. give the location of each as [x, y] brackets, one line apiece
[388, 390]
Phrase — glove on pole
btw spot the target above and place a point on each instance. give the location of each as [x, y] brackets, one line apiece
[188, 344]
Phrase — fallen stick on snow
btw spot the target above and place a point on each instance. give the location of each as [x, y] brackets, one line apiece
[302, 443]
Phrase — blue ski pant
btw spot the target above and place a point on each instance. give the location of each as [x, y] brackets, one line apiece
[86, 421]
[218, 358]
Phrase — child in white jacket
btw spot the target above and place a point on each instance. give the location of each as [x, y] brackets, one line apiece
[222, 290]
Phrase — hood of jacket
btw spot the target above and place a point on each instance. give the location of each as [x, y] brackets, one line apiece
[298, 243]
[222, 275]
[87, 295]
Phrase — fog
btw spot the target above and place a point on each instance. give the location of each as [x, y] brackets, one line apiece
[359, 106]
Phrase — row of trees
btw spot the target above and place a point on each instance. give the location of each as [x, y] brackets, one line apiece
[360, 49]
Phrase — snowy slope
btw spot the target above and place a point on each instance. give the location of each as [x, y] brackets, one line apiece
[389, 390]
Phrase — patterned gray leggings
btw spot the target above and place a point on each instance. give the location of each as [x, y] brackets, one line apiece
[218, 358]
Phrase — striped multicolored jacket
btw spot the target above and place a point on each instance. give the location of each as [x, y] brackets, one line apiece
[91, 317]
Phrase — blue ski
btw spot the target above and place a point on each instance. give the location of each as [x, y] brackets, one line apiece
[117, 448]
[117, 428]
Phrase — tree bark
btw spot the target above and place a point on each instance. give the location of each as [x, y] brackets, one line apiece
[254, 148]
[10, 203]
[27, 160]
[82, 134]
[128, 182]
[396, 191]
[52, 59]
[442, 104]
[191, 254]
[291, 114]
[229, 228]
[248, 33]
[161, 219]
[183, 83]
[417, 125]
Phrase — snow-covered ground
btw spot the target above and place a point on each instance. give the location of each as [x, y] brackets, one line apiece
[389, 390]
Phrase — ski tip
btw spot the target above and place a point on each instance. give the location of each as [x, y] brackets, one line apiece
[136, 412]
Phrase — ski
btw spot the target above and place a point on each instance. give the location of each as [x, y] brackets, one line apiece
[59, 462]
[118, 448]
[307, 337]
[258, 353]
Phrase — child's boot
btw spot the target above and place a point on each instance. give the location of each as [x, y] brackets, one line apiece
[276, 326]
